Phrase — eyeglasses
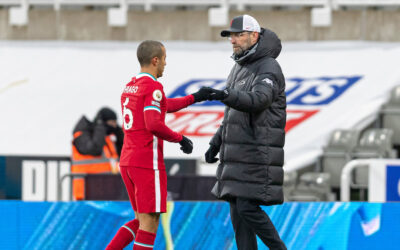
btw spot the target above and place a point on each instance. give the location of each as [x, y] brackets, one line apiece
[238, 34]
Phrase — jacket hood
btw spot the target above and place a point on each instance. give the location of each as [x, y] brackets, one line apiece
[83, 125]
[268, 45]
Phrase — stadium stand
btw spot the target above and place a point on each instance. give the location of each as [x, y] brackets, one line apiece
[312, 187]
[289, 184]
[390, 116]
[346, 145]
[374, 143]
[337, 153]
[56, 19]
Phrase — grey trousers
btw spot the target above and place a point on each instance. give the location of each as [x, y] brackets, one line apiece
[249, 220]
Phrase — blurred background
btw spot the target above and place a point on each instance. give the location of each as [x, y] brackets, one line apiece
[64, 59]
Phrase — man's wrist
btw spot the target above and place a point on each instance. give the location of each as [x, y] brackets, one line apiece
[226, 93]
[196, 97]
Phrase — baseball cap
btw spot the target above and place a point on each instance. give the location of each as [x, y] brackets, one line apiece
[242, 23]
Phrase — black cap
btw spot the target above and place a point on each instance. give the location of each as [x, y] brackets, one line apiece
[106, 114]
[242, 23]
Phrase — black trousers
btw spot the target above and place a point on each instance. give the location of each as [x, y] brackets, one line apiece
[249, 220]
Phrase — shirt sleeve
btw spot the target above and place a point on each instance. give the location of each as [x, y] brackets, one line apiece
[152, 116]
[176, 104]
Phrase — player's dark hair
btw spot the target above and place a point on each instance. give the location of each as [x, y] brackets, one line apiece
[147, 50]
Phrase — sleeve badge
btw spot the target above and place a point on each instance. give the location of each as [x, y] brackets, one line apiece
[268, 81]
[157, 95]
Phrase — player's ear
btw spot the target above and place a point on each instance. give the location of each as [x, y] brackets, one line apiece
[154, 61]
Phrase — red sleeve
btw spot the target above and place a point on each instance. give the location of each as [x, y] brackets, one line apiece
[152, 117]
[175, 104]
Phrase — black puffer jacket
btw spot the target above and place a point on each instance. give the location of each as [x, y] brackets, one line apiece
[252, 135]
[92, 139]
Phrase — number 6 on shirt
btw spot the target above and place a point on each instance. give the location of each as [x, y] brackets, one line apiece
[127, 112]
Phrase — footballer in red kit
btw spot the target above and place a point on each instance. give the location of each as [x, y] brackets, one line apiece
[142, 167]
[144, 106]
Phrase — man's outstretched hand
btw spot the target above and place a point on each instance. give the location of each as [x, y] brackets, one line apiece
[202, 94]
[207, 93]
[186, 145]
[218, 95]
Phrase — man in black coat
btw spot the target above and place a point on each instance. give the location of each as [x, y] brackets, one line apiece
[252, 135]
[92, 138]
[96, 148]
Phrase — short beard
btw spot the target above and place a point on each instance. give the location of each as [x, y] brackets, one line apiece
[243, 49]
[159, 72]
[239, 53]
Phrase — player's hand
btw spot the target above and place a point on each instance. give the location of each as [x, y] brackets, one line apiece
[203, 94]
[186, 145]
[218, 94]
[211, 153]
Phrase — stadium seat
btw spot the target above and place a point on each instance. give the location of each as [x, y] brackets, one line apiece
[374, 143]
[312, 187]
[289, 183]
[390, 116]
[337, 153]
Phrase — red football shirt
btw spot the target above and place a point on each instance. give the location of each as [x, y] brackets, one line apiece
[144, 106]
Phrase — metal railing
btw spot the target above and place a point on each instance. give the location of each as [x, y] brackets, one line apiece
[346, 177]
[60, 182]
